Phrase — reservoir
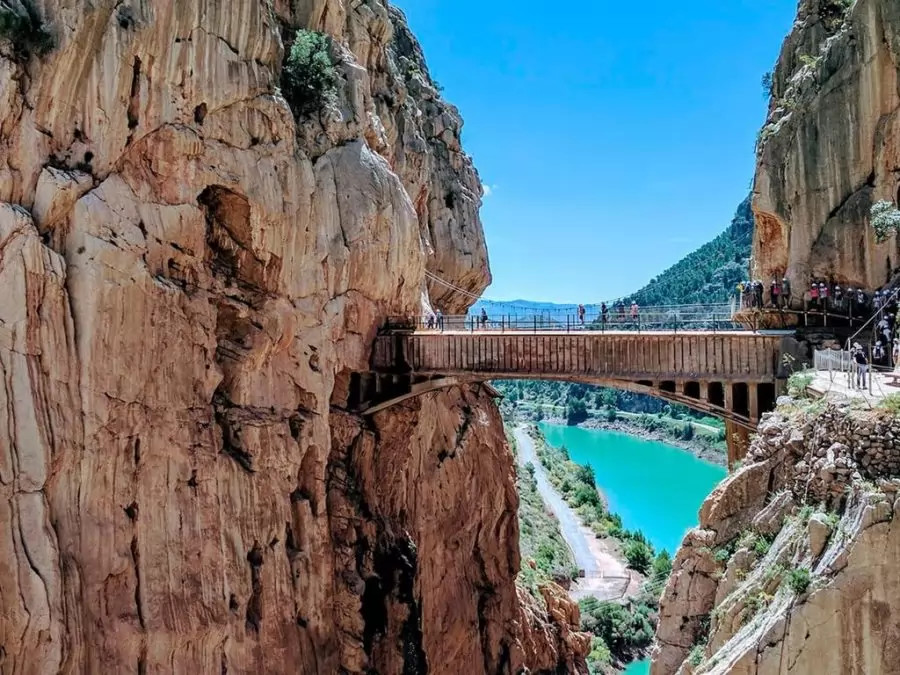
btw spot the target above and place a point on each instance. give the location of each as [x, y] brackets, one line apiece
[654, 487]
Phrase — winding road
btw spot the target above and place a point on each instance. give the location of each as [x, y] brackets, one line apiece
[605, 576]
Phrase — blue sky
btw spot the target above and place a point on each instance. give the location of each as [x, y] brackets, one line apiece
[614, 137]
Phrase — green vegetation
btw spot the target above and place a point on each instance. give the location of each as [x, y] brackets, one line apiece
[625, 630]
[309, 79]
[600, 658]
[711, 273]
[697, 655]
[885, 219]
[662, 565]
[639, 556]
[534, 399]
[545, 554]
[891, 404]
[798, 383]
[798, 580]
[25, 30]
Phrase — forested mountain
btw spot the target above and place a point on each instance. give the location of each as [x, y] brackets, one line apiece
[710, 273]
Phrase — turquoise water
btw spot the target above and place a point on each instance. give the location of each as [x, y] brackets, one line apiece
[638, 668]
[654, 487]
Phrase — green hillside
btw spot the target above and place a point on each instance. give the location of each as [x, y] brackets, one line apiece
[710, 273]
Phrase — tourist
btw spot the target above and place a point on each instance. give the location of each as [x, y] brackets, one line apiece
[581, 314]
[878, 352]
[429, 321]
[775, 293]
[861, 300]
[439, 315]
[634, 312]
[823, 296]
[786, 292]
[758, 292]
[814, 295]
[862, 365]
[604, 314]
[838, 298]
[884, 329]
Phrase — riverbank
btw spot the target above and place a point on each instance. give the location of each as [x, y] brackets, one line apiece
[606, 574]
[623, 425]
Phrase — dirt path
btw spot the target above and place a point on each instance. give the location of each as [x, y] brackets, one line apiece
[605, 574]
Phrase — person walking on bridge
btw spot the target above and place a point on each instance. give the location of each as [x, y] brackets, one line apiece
[786, 292]
[634, 312]
[581, 314]
[483, 319]
[439, 317]
[604, 315]
[775, 293]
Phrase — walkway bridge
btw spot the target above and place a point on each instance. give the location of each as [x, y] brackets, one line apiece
[706, 363]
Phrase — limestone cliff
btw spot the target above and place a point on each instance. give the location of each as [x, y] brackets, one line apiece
[794, 566]
[190, 275]
[831, 146]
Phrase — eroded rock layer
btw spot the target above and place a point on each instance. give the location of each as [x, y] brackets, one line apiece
[830, 147]
[189, 277]
[793, 568]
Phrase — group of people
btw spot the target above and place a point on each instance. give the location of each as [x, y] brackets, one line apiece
[819, 296]
[620, 312]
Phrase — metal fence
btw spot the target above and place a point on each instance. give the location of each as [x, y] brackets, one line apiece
[645, 319]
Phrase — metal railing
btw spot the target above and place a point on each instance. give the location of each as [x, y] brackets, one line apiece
[646, 319]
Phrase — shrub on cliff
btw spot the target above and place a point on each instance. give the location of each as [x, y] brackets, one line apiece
[21, 25]
[309, 79]
[885, 219]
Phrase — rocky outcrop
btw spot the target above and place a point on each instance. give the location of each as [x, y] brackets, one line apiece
[830, 147]
[793, 568]
[190, 277]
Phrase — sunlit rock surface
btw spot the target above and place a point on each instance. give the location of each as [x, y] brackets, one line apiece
[189, 277]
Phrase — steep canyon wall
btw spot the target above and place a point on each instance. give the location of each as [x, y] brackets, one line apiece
[830, 147]
[189, 277]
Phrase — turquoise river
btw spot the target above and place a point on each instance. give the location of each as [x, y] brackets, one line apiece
[654, 487]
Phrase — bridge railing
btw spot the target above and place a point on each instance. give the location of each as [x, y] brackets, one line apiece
[646, 319]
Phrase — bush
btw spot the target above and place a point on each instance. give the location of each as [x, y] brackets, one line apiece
[885, 219]
[798, 383]
[698, 653]
[600, 657]
[638, 555]
[625, 630]
[24, 29]
[309, 79]
[798, 580]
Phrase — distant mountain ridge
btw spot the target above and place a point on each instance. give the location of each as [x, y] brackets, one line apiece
[707, 275]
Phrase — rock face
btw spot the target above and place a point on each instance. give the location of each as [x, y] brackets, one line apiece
[190, 276]
[816, 594]
[830, 147]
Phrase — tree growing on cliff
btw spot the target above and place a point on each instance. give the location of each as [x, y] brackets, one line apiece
[885, 219]
[309, 79]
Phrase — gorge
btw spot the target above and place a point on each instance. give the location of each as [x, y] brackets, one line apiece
[208, 214]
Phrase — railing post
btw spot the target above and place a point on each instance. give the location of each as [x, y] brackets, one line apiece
[535, 323]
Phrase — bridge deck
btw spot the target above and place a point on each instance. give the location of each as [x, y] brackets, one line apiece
[707, 355]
